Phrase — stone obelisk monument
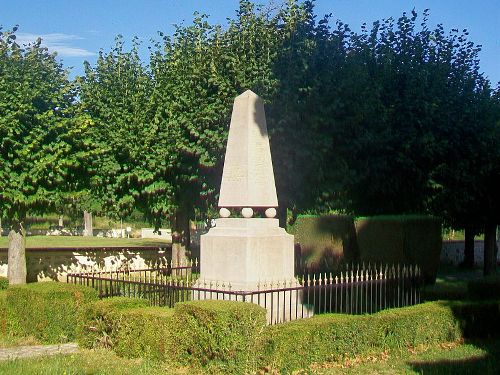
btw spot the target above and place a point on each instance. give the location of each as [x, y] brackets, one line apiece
[245, 251]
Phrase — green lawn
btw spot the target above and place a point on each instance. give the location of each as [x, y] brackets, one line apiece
[79, 241]
[85, 362]
[480, 357]
[451, 283]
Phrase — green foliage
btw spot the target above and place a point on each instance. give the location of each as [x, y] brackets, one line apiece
[47, 311]
[4, 283]
[115, 95]
[232, 337]
[98, 321]
[148, 332]
[325, 241]
[43, 150]
[330, 240]
[329, 337]
[477, 319]
[221, 333]
[445, 291]
[3, 313]
[487, 288]
[409, 239]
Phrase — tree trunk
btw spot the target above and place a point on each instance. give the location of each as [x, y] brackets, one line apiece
[490, 260]
[88, 230]
[17, 255]
[180, 236]
[281, 213]
[469, 248]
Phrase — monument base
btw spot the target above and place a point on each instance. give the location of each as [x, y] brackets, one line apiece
[251, 255]
[246, 252]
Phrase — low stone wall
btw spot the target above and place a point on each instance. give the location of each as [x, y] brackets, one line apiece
[453, 252]
[166, 234]
[55, 263]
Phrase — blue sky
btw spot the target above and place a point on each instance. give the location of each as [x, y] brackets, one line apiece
[77, 30]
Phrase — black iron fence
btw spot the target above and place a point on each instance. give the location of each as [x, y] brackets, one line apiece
[356, 290]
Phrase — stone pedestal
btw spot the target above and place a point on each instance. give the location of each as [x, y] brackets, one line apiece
[246, 252]
[250, 255]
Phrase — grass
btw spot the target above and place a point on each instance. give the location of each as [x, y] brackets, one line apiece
[11, 341]
[451, 282]
[86, 362]
[476, 357]
[79, 241]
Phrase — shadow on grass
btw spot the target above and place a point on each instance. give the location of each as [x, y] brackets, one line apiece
[469, 363]
[475, 365]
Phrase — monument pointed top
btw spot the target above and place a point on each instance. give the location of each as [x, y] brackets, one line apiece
[248, 93]
[248, 177]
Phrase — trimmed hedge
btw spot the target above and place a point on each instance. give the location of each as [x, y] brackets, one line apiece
[410, 239]
[325, 241]
[129, 326]
[477, 319]
[47, 311]
[147, 332]
[296, 345]
[484, 288]
[221, 333]
[98, 322]
[232, 337]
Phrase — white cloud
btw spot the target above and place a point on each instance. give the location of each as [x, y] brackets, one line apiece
[56, 42]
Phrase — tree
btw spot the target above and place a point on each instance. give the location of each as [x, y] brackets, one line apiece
[42, 152]
[115, 94]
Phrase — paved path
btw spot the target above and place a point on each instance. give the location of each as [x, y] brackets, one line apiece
[37, 351]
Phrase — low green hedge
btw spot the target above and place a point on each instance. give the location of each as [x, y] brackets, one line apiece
[409, 239]
[221, 333]
[232, 337]
[325, 242]
[479, 319]
[484, 288]
[296, 345]
[147, 332]
[129, 326]
[98, 322]
[47, 311]
[4, 283]
[3, 313]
